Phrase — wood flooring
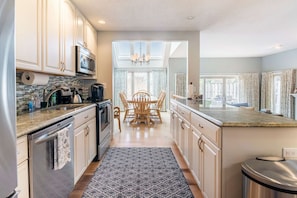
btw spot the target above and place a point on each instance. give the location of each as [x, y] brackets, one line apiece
[157, 135]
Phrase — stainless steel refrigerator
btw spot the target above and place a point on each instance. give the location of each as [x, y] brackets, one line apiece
[8, 163]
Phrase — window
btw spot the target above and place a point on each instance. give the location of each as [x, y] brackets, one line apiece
[218, 91]
[276, 93]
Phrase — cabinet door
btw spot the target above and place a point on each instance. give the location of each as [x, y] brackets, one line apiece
[79, 152]
[172, 124]
[211, 169]
[196, 157]
[68, 55]
[23, 180]
[28, 34]
[185, 131]
[180, 142]
[91, 127]
[91, 37]
[52, 28]
[80, 24]
[175, 128]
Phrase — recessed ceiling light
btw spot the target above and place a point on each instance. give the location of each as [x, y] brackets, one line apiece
[278, 46]
[101, 22]
[190, 17]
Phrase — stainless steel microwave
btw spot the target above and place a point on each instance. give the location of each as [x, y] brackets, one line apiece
[85, 61]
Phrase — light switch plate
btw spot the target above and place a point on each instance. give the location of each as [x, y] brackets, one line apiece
[290, 152]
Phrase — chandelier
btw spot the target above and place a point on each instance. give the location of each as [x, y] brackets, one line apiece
[141, 57]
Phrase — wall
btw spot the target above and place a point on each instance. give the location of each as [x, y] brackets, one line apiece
[229, 65]
[104, 54]
[280, 61]
[25, 92]
[176, 65]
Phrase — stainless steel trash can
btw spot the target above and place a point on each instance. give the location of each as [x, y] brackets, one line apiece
[269, 177]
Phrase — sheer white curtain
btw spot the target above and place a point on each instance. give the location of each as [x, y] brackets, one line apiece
[120, 79]
[249, 89]
[288, 81]
[266, 90]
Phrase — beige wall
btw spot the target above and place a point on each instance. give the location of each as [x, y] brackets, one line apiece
[104, 54]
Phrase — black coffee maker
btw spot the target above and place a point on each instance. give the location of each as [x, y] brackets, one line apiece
[64, 96]
[97, 92]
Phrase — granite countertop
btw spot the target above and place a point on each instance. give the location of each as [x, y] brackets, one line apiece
[30, 122]
[230, 116]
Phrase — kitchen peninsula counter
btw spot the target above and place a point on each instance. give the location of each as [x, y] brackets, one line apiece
[215, 141]
[230, 116]
[31, 122]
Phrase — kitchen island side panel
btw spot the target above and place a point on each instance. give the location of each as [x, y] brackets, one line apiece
[242, 143]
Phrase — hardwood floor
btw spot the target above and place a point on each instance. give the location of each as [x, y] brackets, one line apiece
[158, 135]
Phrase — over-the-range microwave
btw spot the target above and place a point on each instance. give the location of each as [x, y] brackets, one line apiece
[85, 61]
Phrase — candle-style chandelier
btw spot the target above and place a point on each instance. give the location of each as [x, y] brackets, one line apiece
[141, 57]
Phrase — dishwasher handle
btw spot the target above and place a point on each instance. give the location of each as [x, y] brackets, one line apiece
[47, 138]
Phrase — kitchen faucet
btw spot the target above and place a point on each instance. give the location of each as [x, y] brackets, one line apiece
[46, 99]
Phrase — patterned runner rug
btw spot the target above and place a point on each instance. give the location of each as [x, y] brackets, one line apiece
[138, 172]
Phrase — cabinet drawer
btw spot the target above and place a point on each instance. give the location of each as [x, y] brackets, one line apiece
[173, 106]
[185, 113]
[22, 149]
[210, 130]
[83, 117]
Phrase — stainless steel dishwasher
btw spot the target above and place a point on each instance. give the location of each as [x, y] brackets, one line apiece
[45, 179]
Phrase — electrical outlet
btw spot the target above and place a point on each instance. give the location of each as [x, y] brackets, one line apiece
[290, 152]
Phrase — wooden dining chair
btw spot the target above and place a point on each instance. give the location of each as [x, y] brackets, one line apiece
[117, 115]
[141, 105]
[156, 108]
[128, 108]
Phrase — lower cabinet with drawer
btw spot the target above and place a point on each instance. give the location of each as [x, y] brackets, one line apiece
[84, 141]
[22, 169]
[200, 143]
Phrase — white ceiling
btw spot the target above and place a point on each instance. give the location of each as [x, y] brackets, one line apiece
[228, 28]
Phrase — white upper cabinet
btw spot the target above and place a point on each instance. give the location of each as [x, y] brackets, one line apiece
[86, 35]
[91, 37]
[28, 35]
[59, 34]
[80, 29]
[68, 37]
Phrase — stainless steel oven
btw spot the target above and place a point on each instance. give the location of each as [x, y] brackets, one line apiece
[104, 128]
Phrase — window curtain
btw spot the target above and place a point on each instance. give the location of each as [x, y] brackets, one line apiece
[266, 90]
[120, 77]
[288, 81]
[158, 82]
[249, 89]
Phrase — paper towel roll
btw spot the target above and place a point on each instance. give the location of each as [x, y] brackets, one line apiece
[30, 78]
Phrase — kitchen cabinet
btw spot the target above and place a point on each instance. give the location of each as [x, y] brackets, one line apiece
[199, 142]
[28, 34]
[91, 37]
[22, 167]
[223, 138]
[86, 35]
[211, 169]
[184, 132]
[45, 36]
[208, 156]
[84, 141]
[196, 157]
[59, 37]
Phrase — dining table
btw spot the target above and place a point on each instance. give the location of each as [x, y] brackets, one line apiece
[152, 101]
